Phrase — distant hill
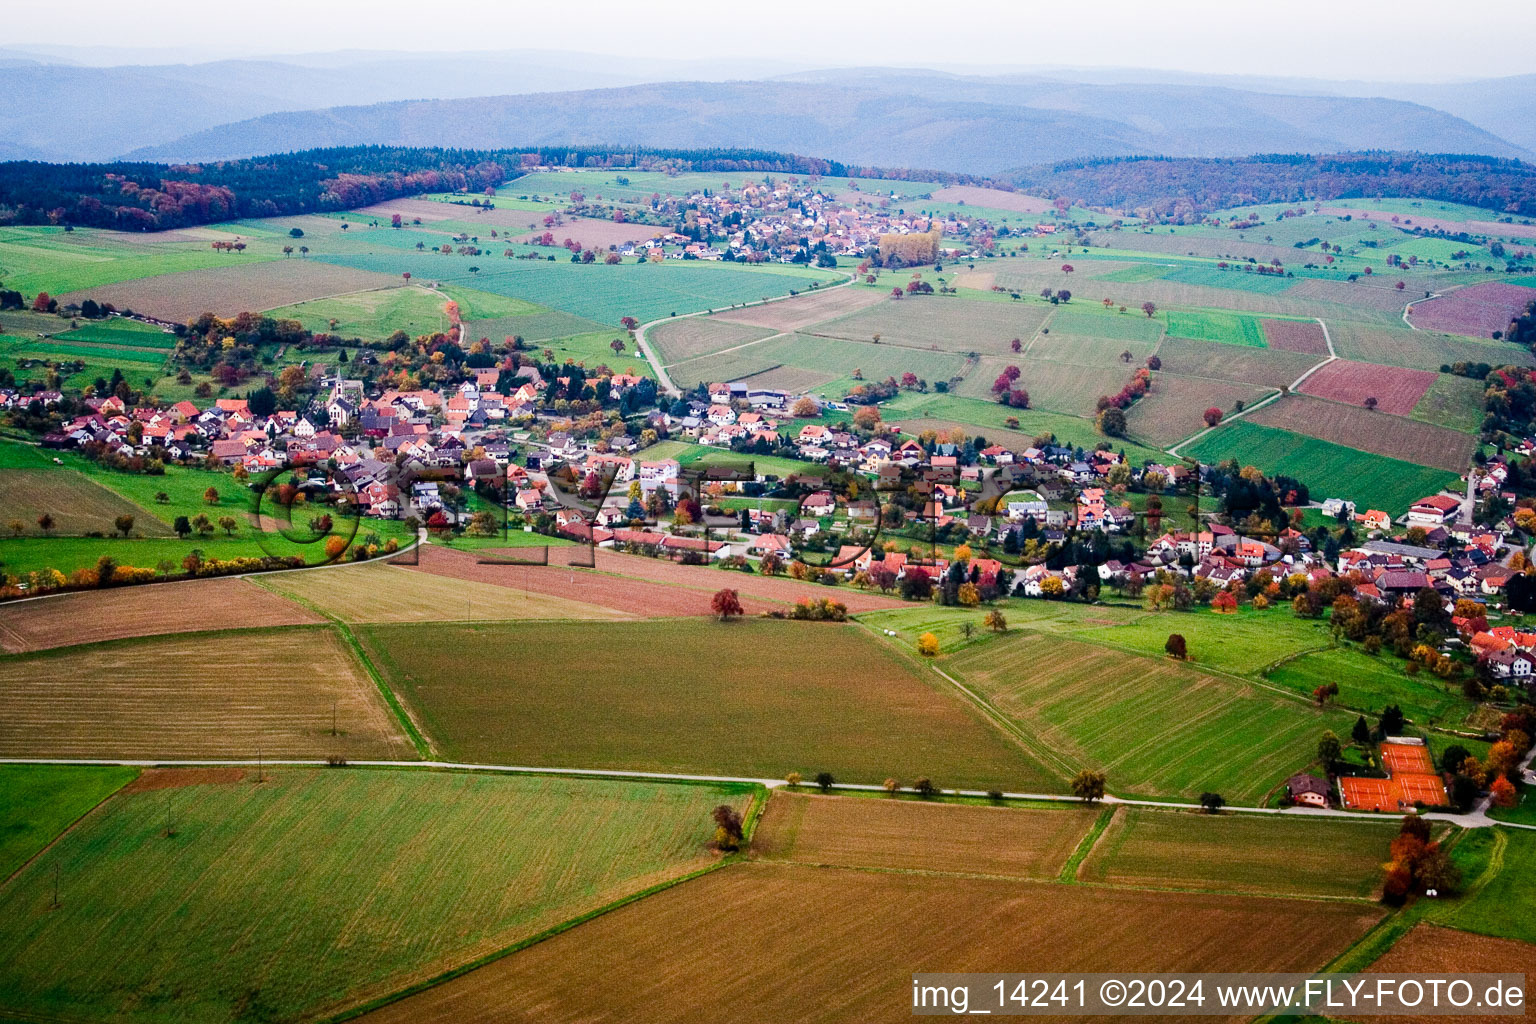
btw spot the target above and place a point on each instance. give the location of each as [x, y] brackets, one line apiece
[894, 119]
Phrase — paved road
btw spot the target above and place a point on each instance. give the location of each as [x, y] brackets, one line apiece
[1477, 819]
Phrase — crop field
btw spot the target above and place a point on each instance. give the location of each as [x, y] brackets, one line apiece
[239, 285]
[992, 198]
[695, 336]
[1371, 683]
[1476, 310]
[1396, 390]
[1093, 350]
[948, 324]
[1497, 865]
[805, 309]
[1294, 856]
[118, 331]
[206, 695]
[911, 835]
[1305, 336]
[1212, 325]
[134, 361]
[1425, 444]
[537, 325]
[1173, 408]
[1423, 350]
[1086, 321]
[692, 696]
[1427, 950]
[312, 891]
[42, 800]
[34, 259]
[1454, 402]
[77, 504]
[93, 616]
[844, 929]
[1243, 643]
[1266, 368]
[1215, 277]
[1329, 470]
[594, 291]
[372, 315]
[916, 413]
[788, 378]
[1152, 725]
[380, 592]
[840, 356]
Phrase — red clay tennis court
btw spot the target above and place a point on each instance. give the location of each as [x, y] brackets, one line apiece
[1370, 794]
[1422, 789]
[1398, 759]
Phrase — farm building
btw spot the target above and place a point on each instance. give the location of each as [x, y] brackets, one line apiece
[1411, 781]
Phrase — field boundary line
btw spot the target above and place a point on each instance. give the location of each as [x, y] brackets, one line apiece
[1071, 871]
[66, 830]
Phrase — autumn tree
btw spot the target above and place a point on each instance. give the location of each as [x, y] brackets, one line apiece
[123, 524]
[1149, 308]
[996, 621]
[1212, 802]
[1329, 749]
[1088, 785]
[928, 645]
[725, 604]
[211, 496]
[728, 828]
[1212, 416]
[45, 522]
[1176, 646]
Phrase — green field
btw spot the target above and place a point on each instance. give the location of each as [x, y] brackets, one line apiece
[594, 291]
[1240, 852]
[753, 698]
[988, 418]
[1153, 725]
[315, 890]
[1497, 866]
[1243, 643]
[118, 331]
[39, 801]
[1216, 325]
[1214, 277]
[1370, 683]
[1329, 470]
[371, 315]
[50, 259]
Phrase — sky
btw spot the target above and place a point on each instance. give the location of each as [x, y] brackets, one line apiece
[1401, 40]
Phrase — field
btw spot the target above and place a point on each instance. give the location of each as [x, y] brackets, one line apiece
[118, 331]
[1396, 345]
[207, 695]
[77, 504]
[910, 835]
[1415, 441]
[595, 234]
[1211, 325]
[380, 592]
[1454, 402]
[695, 336]
[34, 259]
[315, 890]
[594, 291]
[1173, 408]
[93, 616]
[948, 324]
[826, 355]
[941, 412]
[1058, 387]
[240, 285]
[1497, 865]
[1371, 683]
[1427, 950]
[846, 931]
[42, 800]
[806, 309]
[1303, 336]
[1152, 725]
[1295, 856]
[1268, 368]
[1243, 643]
[694, 696]
[1476, 310]
[372, 315]
[1329, 470]
[1397, 391]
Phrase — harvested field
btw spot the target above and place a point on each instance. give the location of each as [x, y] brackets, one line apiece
[1304, 336]
[77, 504]
[223, 695]
[1396, 390]
[695, 336]
[848, 931]
[911, 835]
[1357, 294]
[1424, 350]
[1059, 387]
[948, 324]
[1427, 950]
[788, 378]
[586, 231]
[805, 309]
[1293, 856]
[380, 592]
[237, 288]
[980, 280]
[1172, 409]
[431, 211]
[1163, 728]
[312, 891]
[1424, 444]
[1452, 401]
[1476, 310]
[992, 199]
[1266, 368]
[692, 696]
[93, 616]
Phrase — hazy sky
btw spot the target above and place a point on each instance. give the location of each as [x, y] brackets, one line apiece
[1403, 40]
